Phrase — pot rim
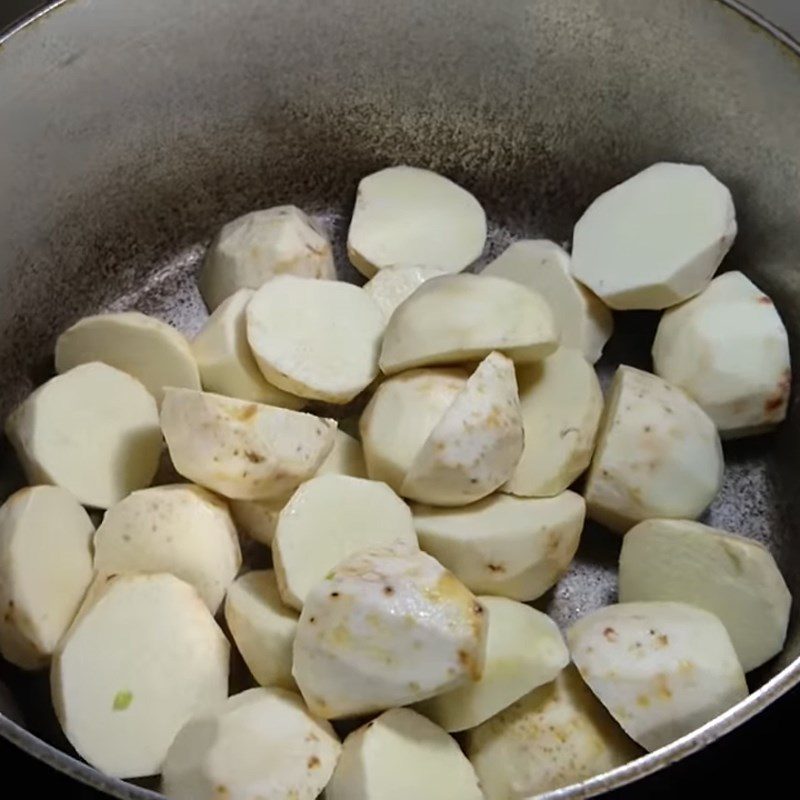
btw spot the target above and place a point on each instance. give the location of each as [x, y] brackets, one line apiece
[641, 767]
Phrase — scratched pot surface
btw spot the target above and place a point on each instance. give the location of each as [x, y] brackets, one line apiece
[131, 131]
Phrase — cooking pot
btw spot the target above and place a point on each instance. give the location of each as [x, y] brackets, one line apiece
[129, 131]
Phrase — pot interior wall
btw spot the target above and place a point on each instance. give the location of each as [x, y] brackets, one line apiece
[131, 131]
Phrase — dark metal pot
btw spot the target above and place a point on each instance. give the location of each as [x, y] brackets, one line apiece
[129, 131]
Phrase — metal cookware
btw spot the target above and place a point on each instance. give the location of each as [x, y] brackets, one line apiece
[129, 131]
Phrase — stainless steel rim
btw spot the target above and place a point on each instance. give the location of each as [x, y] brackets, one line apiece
[646, 765]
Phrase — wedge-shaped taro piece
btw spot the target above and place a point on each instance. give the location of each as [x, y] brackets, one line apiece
[524, 649]
[584, 322]
[259, 518]
[735, 578]
[151, 351]
[658, 454]
[181, 529]
[386, 628]
[509, 546]
[225, 361]
[243, 450]
[458, 318]
[392, 285]
[401, 755]
[262, 744]
[142, 658]
[328, 519]
[45, 570]
[315, 339]
[401, 416]
[661, 669]
[92, 431]
[557, 735]
[656, 239]
[262, 627]
[253, 248]
[728, 349]
[407, 215]
[561, 403]
[476, 445]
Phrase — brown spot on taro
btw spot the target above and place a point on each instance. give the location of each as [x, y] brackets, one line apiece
[610, 634]
[764, 300]
[447, 589]
[468, 663]
[334, 595]
[478, 608]
[776, 401]
[643, 701]
[495, 418]
[221, 791]
[662, 687]
[312, 620]
[253, 457]
[685, 667]
[496, 568]
[739, 406]
[313, 762]
[773, 404]
[388, 590]
[246, 413]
